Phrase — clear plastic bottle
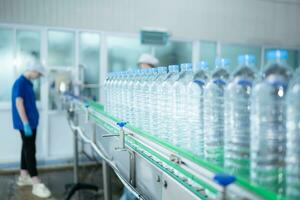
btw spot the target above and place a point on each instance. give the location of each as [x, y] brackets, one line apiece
[125, 93]
[268, 123]
[155, 102]
[130, 96]
[118, 95]
[136, 90]
[107, 91]
[139, 97]
[148, 98]
[293, 140]
[179, 126]
[237, 117]
[214, 113]
[166, 107]
[114, 93]
[195, 101]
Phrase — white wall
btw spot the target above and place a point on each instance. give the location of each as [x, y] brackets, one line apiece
[254, 21]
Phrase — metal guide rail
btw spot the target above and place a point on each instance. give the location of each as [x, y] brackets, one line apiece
[193, 176]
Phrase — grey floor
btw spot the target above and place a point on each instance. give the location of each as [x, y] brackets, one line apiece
[56, 179]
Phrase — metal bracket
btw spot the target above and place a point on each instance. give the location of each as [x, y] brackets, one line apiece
[111, 135]
[86, 114]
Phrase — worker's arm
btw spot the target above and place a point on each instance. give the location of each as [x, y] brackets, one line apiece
[21, 109]
[23, 116]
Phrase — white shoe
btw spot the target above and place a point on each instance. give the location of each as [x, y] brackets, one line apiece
[40, 190]
[24, 180]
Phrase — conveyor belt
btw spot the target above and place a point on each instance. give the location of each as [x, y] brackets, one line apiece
[169, 168]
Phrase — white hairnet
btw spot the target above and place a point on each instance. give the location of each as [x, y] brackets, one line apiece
[148, 59]
[36, 66]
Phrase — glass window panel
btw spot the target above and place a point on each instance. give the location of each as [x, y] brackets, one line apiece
[293, 57]
[123, 53]
[233, 51]
[175, 52]
[208, 52]
[7, 63]
[61, 48]
[89, 52]
[28, 48]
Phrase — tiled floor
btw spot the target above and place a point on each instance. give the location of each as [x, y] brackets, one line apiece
[56, 181]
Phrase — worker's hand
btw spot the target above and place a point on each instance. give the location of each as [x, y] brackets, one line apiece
[27, 130]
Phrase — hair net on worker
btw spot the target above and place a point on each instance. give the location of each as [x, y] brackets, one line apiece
[148, 59]
[35, 65]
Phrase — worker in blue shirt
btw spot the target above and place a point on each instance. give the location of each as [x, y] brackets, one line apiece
[26, 119]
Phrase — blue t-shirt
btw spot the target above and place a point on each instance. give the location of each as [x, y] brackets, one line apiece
[24, 88]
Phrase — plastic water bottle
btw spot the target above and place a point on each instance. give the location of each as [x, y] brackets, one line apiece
[119, 96]
[136, 86]
[268, 123]
[142, 95]
[237, 117]
[139, 97]
[107, 92]
[166, 106]
[156, 93]
[114, 93]
[293, 140]
[131, 96]
[195, 92]
[214, 113]
[148, 98]
[124, 93]
[179, 126]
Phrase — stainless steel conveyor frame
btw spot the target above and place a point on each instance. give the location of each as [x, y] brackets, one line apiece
[149, 167]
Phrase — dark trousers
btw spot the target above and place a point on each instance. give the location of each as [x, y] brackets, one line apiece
[28, 160]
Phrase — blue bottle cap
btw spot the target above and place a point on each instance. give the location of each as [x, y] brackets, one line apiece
[144, 71]
[202, 65]
[173, 68]
[154, 70]
[278, 54]
[137, 72]
[246, 59]
[162, 69]
[222, 62]
[186, 67]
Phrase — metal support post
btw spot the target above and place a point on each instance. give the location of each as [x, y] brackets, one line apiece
[106, 180]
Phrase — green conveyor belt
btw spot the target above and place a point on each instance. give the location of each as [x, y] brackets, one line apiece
[258, 190]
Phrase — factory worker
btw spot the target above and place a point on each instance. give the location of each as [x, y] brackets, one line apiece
[25, 120]
[147, 61]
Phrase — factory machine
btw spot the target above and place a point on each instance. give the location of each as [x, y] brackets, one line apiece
[149, 167]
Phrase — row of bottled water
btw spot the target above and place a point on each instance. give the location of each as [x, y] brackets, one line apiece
[247, 122]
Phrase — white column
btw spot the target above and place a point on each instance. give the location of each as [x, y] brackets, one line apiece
[262, 60]
[219, 50]
[76, 67]
[45, 94]
[15, 61]
[196, 53]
